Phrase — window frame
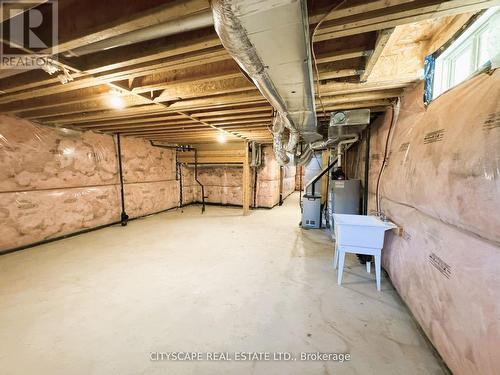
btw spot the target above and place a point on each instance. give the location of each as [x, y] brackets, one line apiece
[440, 76]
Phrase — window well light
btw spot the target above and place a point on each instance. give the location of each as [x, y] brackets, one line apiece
[115, 100]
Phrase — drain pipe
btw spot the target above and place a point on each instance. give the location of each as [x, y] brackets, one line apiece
[123, 217]
[198, 181]
[255, 187]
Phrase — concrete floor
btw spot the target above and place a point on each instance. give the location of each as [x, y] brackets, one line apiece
[101, 302]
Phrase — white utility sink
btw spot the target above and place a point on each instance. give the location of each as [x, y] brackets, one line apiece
[359, 234]
[360, 230]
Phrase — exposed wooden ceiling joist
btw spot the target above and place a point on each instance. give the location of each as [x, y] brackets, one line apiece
[185, 87]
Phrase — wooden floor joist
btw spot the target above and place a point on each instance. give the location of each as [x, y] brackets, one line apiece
[186, 88]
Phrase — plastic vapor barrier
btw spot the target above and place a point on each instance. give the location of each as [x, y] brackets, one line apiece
[55, 181]
[441, 183]
[222, 183]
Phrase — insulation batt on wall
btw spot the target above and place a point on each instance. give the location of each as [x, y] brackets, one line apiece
[441, 183]
[223, 183]
[54, 182]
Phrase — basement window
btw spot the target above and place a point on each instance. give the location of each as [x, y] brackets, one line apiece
[474, 50]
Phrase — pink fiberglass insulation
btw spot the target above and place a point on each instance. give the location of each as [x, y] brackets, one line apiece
[288, 180]
[223, 183]
[268, 180]
[55, 181]
[149, 177]
[299, 178]
[452, 152]
[31, 216]
[441, 183]
[35, 157]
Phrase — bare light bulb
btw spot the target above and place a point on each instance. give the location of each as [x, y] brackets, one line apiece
[221, 137]
[116, 101]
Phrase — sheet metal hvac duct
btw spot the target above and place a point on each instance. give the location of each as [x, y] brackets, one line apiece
[189, 23]
[270, 41]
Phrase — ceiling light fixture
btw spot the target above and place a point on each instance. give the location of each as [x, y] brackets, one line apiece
[221, 137]
[116, 100]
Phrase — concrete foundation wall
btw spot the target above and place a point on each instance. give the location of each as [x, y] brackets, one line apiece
[54, 182]
[441, 183]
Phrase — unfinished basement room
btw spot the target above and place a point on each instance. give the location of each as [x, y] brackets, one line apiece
[275, 187]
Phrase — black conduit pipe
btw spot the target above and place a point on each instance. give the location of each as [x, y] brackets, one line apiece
[196, 179]
[189, 148]
[180, 181]
[255, 188]
[300, 188]
[123, 216]
[178, 168]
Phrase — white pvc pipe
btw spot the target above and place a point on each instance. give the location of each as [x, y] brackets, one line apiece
[341, 144]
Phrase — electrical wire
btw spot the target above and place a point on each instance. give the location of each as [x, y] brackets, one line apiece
[335, 7]
[384, 160]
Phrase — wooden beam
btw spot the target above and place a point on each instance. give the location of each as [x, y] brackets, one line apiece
[149, 51]
[350, 9]
[362, 96]
[205, 87]
[51, 101]
[219, 156]
[143, 127]
[38, 78]
[78, 22]
[192, 75]
[332, 74]
[382, 39]
[194, 130]
[220, 123]
[82, 107]
[356, 105]
[261, 108]
[342, 55]
[337, 88]
[252, 96]
[389, 17]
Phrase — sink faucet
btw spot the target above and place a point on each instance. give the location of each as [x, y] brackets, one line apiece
[380, 215]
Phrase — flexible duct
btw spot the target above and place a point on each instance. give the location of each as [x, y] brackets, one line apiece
[306, 156]
[279, 151]
[271, 44]
[256, 160]
[189, 23]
